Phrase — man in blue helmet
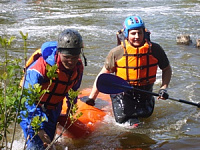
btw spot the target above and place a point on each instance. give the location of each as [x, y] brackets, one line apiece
[135, 60]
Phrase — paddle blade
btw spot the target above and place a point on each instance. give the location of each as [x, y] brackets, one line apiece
[111, 84]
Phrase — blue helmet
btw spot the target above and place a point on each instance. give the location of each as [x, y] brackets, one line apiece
[132, 22]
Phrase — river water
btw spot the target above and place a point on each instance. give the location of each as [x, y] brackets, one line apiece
[173, 125]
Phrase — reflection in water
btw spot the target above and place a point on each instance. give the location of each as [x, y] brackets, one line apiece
[140, 141]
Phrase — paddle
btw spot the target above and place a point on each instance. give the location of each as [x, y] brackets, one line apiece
[111, 84]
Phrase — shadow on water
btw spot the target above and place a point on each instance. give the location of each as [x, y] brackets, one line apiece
[139, 141]
[125, 140]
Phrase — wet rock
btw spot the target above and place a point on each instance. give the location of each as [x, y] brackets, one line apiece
[183, 39]
[198, 43]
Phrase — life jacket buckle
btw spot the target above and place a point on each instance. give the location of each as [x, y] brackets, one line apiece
[139, 55]
[142, 67]
[44, 109]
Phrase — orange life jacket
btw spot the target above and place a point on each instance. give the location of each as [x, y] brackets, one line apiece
[60, 85]
[137, 65]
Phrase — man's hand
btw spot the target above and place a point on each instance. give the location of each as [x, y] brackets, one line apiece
[163, 94]
[45, 139]
[90, 102]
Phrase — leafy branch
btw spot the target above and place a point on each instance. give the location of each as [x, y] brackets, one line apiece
[72, 115]
[13, 97]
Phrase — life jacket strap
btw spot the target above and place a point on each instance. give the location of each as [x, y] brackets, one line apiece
[139, 67]
[142, 79]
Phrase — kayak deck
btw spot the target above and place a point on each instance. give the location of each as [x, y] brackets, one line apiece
[85, 124]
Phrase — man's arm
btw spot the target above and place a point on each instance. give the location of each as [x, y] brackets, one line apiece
[94, 93]
[109, 67]
[166, 77]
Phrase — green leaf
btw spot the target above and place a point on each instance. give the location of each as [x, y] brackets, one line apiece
[24, 37]
[36, 123]
[51, 71]
[4, 76]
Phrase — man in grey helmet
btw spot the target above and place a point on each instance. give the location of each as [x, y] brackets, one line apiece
[65, 53]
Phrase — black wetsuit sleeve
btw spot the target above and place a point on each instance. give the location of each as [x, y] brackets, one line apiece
[160, 55]
[112, 57]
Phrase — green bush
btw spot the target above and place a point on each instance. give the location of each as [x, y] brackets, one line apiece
[13, 97]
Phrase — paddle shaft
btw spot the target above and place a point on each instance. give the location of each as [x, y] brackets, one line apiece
[111, 84]
[186, 102]
[174, 99]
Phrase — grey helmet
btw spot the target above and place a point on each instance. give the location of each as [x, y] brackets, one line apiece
[70, 42]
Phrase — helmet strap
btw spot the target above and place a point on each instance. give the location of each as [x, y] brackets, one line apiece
[85, 59]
